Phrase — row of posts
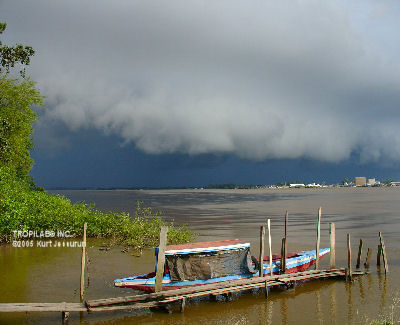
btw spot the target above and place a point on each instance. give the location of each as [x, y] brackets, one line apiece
[381, 254]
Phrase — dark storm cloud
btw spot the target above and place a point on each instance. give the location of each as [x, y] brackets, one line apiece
[260, 79]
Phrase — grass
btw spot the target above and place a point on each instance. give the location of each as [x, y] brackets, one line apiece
[23, 208]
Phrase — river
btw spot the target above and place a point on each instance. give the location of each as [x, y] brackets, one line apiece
[51, 274]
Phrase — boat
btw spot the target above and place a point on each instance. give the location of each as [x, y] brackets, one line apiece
[202, 263]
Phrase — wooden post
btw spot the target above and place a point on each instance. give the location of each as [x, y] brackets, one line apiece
[383, 248]
[161, 259]
[359, 254]
[266, 289]
[283, 254]
[368, 258]
[350, 269]
[83, 263]
[262, 239]
[318, 238]
[286, 226]
[183, 304]
[270, 247]
[378, 255]
[64, 317]
[332, 248]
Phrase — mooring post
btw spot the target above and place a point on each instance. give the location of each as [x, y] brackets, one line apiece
[286, 226]
[266, 289]
[270, 247]
[65, 317]
[262, 240]
[318, 238]
[383, 249]
[349, 267]
[83, 263]
[183, 304]
[161, 259]
[333, 242]
[378, 255]
[368, 258]
[283, 254]
[359, 254]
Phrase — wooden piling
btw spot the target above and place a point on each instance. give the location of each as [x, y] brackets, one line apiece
[318, 238]
[262, 240]
[183, 304]
[270, 247]
[64, 317]
[286, 226]
[266, 289]
[383, 248]
[83, 263]
[378, 255]
[368, 258]
[349, 266]
[283, 254]
[161, 259]
[359, 254]
[332, 235]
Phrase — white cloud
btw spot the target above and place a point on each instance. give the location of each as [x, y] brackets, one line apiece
[261, 79]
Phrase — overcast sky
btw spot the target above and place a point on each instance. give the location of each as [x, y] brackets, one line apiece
[256, 81]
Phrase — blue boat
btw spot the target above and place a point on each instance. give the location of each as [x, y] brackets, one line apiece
[211, 262]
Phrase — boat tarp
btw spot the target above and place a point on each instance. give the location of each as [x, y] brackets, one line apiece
[209, 265]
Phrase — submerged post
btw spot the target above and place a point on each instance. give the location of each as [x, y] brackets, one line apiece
[318, 238]
[332, 248]
[262, 239]
[383, 248]
[368, 258]
[359, 254]
[83, 263]
[270, 247]
[161, 259]
[378, 255]
[349, 267]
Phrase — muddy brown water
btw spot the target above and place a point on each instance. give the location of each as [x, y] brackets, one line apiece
[51, 274]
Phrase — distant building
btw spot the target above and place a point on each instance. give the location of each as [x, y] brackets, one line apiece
[296, 185]
[371, 182]
[360, 181]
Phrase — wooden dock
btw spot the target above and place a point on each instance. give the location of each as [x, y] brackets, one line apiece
[163, 298]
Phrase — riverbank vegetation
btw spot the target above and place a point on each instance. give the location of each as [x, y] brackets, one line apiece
[26, 207]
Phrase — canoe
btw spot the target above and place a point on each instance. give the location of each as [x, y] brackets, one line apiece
[211, 262]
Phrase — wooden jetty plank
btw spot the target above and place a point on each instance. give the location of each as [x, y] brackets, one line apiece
[161, 259]
[332, 236]
[41, 307]
[318, 238]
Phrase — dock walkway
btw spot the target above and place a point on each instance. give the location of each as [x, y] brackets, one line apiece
[162, 298]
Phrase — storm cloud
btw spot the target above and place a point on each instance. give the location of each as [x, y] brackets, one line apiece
[259, 79]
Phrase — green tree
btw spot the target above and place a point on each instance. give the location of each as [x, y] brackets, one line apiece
[12, 55]
[16, 115]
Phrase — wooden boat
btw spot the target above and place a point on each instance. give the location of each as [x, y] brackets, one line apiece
[210, 262]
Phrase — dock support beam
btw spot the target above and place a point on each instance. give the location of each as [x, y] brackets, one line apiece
[318, 238]
[161, 259]
[368, 258]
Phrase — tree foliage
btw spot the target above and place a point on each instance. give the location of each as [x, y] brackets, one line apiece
[12, 55]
